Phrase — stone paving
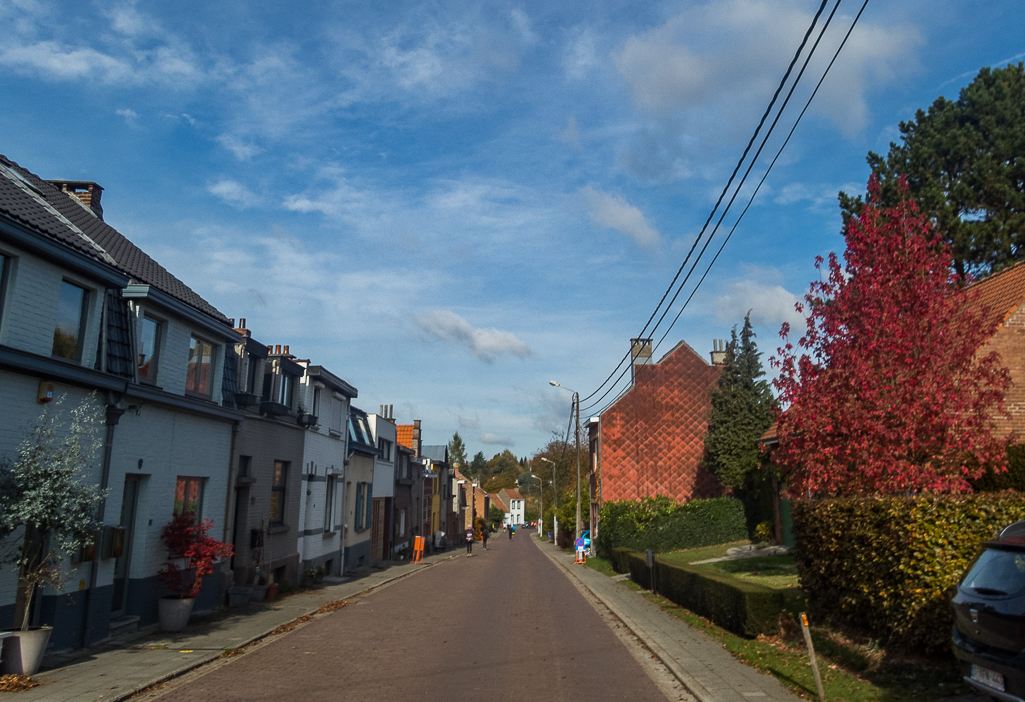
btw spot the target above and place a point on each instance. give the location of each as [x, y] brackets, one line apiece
[120, 670]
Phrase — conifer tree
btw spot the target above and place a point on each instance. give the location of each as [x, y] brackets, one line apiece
[742, 409]
[457, 451]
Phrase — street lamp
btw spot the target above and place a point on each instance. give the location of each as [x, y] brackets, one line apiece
[576, 405]
[541, 499]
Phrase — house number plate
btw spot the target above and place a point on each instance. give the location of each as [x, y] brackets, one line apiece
[988, 677]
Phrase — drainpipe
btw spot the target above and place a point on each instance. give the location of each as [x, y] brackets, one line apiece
[113, 417]
[228, 576]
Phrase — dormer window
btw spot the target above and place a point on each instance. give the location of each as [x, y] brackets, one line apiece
[200, 371]
[286, 388]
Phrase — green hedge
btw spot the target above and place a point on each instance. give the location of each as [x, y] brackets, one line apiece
[660, 524]
[745, 608]
[890, 564]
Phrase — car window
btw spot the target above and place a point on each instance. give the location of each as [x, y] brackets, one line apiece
[997, 572]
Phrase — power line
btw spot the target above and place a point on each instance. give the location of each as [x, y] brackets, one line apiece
[747, 149]
[768, 170]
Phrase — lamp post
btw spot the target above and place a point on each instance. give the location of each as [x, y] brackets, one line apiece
[541, 499]
[576, 405]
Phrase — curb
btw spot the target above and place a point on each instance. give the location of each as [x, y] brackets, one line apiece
[199, 663]
[688, 681]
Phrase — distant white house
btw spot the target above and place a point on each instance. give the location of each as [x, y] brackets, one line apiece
[513, 506]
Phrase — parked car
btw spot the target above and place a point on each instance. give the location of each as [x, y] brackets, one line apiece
[989, 618]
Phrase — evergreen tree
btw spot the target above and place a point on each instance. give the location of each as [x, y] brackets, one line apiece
[457, 451]
[742, 409]
[963, 165]
[479, 465]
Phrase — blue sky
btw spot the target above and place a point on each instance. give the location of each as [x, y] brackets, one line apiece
[449, 204]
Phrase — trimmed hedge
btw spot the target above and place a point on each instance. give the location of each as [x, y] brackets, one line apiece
[660, 524]
[745, 608]
[890, 564]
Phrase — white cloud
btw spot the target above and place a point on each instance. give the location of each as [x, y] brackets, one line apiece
[488, 438]
[580, 55]
[706, 74]
[616, 213]
[521, 23]
[241, 150]
[59, 62]
[234, 193]
[768, 304]
[129, 115]
[485, 344]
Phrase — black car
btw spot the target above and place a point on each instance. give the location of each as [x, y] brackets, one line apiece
[989, 618]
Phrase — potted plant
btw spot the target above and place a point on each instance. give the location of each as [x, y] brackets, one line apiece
[187, 541]
[45, 494]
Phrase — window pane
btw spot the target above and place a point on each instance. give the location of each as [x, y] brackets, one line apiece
[67, 334]
[200, 368]
[188, 496]
[192, 369]
[147, 361]
[278, 479]
[277, 511]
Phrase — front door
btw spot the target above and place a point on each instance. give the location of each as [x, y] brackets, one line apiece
[129, 504]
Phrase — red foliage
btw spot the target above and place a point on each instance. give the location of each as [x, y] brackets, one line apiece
[187, 540]
[887, 393]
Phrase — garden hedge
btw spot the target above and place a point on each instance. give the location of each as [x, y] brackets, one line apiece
[660, 524]
[890, 564]
[745, 608]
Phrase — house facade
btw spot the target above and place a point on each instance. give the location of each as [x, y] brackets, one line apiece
[84, 312]
[515, 506]
[385, 433]
[359, 491]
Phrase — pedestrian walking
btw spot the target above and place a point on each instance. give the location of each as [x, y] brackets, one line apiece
[484, 536]
[469, 541]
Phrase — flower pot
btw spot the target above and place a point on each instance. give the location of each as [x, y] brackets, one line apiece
[272, 592]
[23, 651]
[174, 612]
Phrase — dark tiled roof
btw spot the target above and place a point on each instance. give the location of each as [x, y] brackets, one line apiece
[437, 452]
[59, 215]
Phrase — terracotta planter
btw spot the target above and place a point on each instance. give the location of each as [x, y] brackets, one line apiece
[272, 592]
[23, 651]
[174, 612]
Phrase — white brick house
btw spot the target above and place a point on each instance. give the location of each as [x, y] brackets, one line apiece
[83, 310]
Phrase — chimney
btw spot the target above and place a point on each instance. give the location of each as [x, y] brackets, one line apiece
[86, 191]
[284, 350]
[718, 352]
[640, 355]
[417, 440]
[241, 328]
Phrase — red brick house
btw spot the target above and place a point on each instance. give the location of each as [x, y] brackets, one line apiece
[651, 440]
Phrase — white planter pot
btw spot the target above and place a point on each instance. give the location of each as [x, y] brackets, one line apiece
[174, 612]
[23, 651]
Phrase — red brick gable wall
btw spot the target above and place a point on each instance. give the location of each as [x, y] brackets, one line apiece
[652, 439]
[1009, 342]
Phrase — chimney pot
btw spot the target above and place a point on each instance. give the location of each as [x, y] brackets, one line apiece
[277, 349]
[285, 350]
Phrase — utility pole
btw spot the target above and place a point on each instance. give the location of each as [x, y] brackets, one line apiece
[576, 408]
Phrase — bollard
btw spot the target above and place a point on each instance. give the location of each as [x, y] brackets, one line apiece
[811, 654]
[649, 557]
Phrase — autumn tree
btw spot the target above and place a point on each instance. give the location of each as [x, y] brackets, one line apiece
[964, 165]
[742, 409]
[885, 392]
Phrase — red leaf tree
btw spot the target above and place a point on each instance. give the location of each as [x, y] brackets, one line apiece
[187, 540]
[886, 391]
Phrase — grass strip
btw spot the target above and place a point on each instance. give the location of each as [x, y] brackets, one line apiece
[849, 672]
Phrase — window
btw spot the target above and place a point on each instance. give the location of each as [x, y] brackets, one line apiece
[277, 492]
[368, 513]
[285, 388]
[199, 375]
[68, 332]
[252, 373]
[385, 446]
[402, 522]
[243, 466]
[329, 503]
[359, 506]
[188, 496]
[316, 402]
[337, 413]
[149, 345]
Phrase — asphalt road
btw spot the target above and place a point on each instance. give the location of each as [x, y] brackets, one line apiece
[504, 624]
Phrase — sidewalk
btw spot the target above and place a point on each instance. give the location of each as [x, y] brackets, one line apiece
[703, 666]
[119, 670]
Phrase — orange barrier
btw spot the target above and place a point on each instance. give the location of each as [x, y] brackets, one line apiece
[418, 549]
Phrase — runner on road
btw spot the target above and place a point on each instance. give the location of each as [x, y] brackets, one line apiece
[469, 541]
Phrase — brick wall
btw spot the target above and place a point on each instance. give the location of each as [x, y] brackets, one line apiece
[652, 439]
[1009, 342]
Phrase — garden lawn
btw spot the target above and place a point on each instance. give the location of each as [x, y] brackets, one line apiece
[691, 555]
